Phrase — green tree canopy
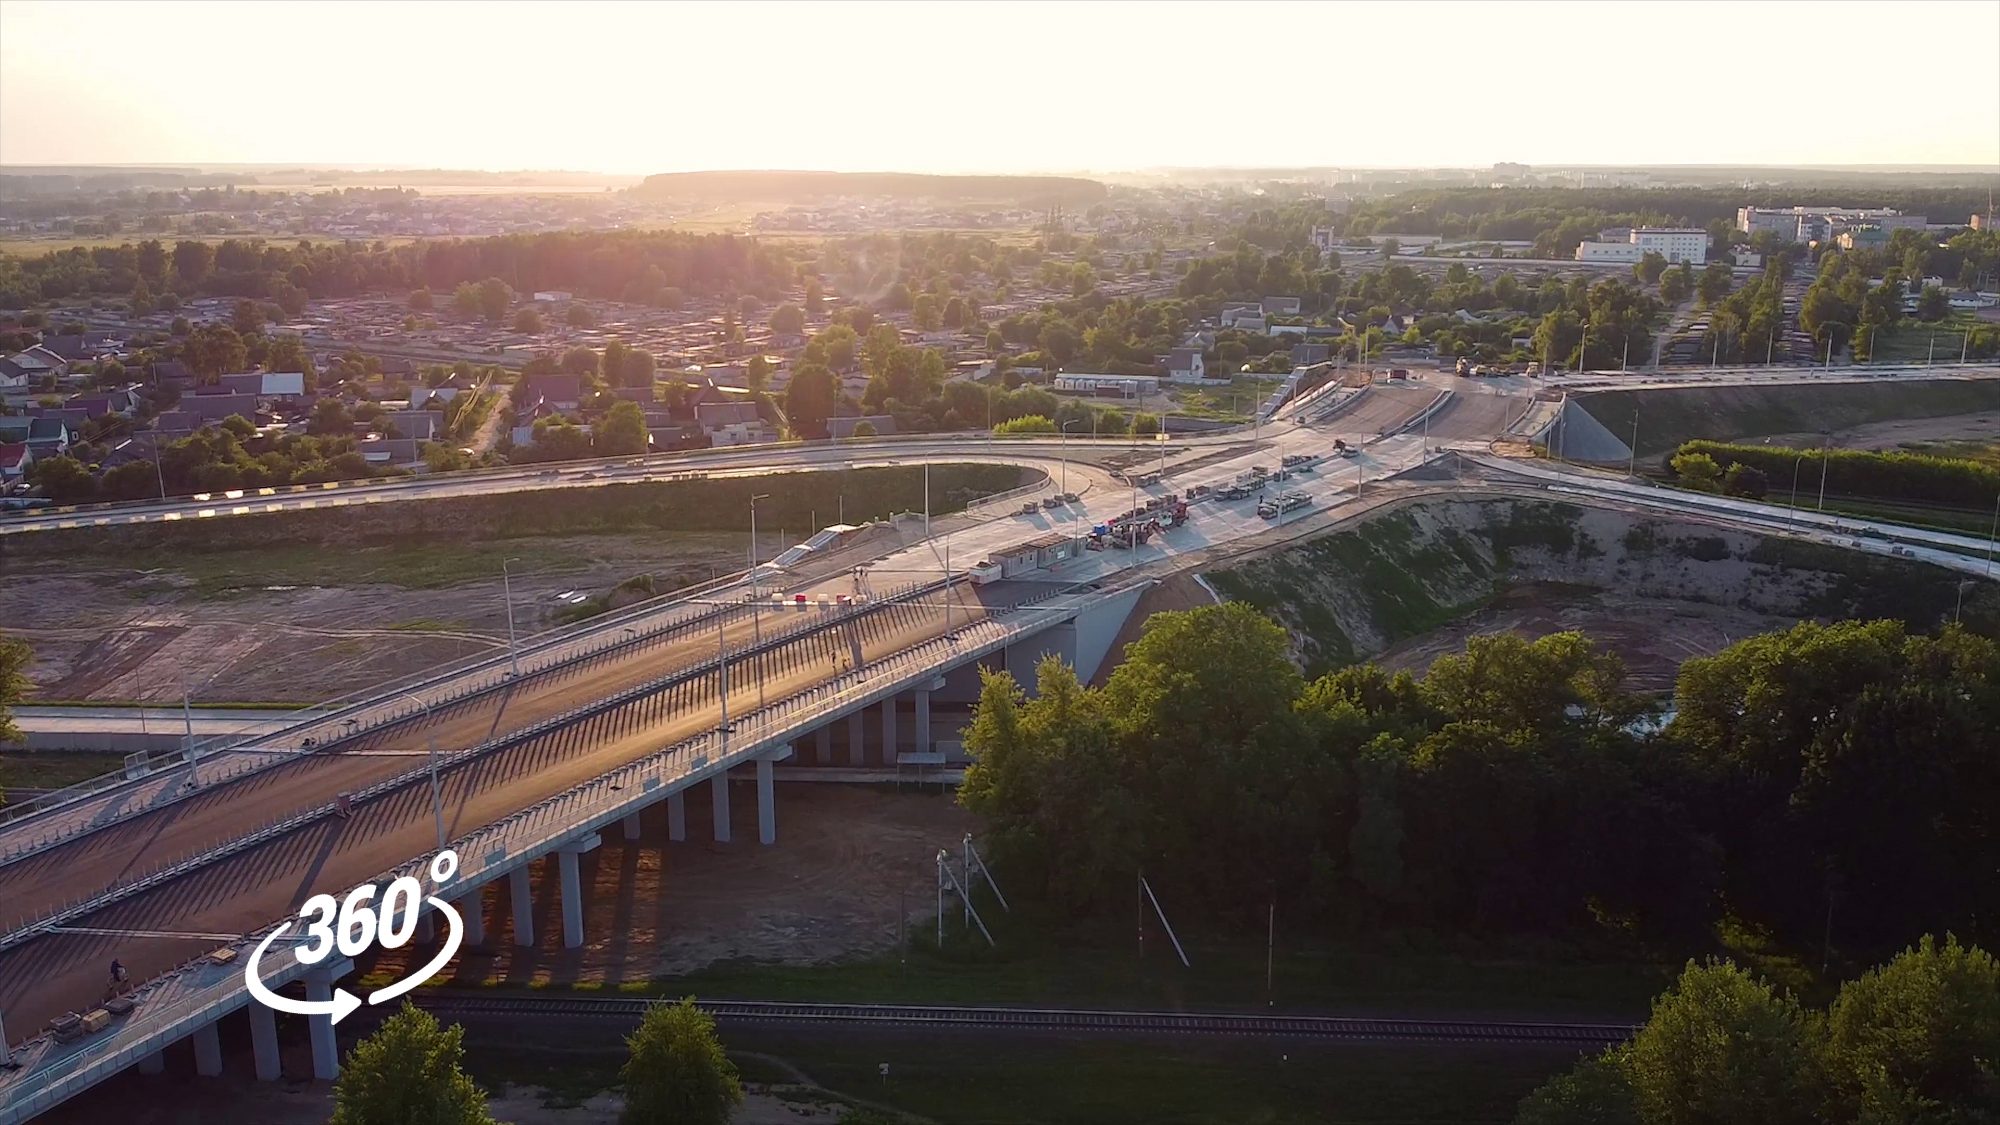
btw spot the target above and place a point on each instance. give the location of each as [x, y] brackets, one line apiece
[410, 1070]
[678, 1073]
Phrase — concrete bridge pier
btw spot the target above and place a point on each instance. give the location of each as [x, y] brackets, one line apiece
[677, 819]
[572, 887]
[718, 804]
[767, 804]
[520, 889]
[631, 826]
[208, 1050]
[889, 731]
[472, 907]
[856, 755]
[264, 1042]
[823, 746]
[325, 1050]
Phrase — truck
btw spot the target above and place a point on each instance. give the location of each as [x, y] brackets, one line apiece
[1282, 503]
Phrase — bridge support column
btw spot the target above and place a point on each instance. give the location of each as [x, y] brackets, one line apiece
[155, 1063]
[718, 804]
[677, 817]
[856, 742]
[889, 732]
[923, 731]
[767, 804]
[823, 746]
[472, 907]
[426, 931]
[326, 1052]
[572, 888]
[264, 1042]
[520, 888]
[631, 826]
[207, 1051]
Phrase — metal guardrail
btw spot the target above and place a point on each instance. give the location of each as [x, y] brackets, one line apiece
[1102, 1021]
[491, 852]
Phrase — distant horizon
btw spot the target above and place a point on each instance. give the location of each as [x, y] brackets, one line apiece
[1360, 86]
[352, 167]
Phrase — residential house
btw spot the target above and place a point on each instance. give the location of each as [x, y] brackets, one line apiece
[37, 362]
[48, 437]
[15, 457]
[214, 407]
[1250, 324]
[390, 451]
[172, 373]
[418, 425]
[558, 392]
[1280, 306]
[731, 423]
[87, 348]
[1305, 355]
[12, 378]
[266, 384]
[1232, 311]
[68, 414]
[1186, 365]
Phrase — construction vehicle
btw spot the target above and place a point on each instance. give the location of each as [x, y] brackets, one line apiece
[1282, 503]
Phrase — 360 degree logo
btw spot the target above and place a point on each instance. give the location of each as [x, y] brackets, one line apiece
[351, 926]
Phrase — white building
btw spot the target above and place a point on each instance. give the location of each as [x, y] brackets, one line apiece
[1675, 244]
[1186, 365]
[552, 296]
[1812, 224]
[1125, 385]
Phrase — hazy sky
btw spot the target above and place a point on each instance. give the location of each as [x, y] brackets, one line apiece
[947, 86]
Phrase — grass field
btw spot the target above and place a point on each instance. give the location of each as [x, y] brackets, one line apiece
[1670, 416]
[1913, 340]
[53, 769]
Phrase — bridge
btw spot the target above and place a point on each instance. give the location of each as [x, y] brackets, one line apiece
[521, 761]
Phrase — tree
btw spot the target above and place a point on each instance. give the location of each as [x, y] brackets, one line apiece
[330, 417]
[1145, 425]
[1721, 1046]
[528, 322]
[247, 318]
[1030, 424]
[411, 1069]
[1595, 1093]
[1917, 1039]
[192, 263]
[1649, 267]
[1697, 470]
[290, 299]
[289, 353]
[788, 320]
[815, 294]
[1676, 284]
[1745, 480]
[838, 343]
[1715, 282]
[810, 398]
[578, 315]
[64, 479]
[1934, 304]
[579, 361]
[213, 349]
[678, 1073]
[622, 433]
[924, 313]
[638, 369]
[864, 429]
[421, 300]
[756, 373]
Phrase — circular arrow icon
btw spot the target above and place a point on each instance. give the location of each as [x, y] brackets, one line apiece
[352, 926]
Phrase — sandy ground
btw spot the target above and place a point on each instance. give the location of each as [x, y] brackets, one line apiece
[1653, 635]
[848, 859]
[112, 635]
[1889, 435]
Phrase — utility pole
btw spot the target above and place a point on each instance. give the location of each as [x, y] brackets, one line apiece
[1632, 465]
[1824, 437]
[756, 588]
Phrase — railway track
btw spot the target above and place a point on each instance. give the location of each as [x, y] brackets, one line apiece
[1072, 1020]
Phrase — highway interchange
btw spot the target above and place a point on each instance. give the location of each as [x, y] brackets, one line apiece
[85, 881]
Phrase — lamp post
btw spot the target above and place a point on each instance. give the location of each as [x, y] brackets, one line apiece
[756, 590]
[1065, 449]
[1632, 464]
[1825, 436]
[437, 791]
[1829, 326]
[507, 590]
[1796, 463]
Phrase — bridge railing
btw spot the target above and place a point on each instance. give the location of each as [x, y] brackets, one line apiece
[196, 995]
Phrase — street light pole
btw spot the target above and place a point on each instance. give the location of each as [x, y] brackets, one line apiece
[756, 590]
[1632, 464]
[507, 590]
[1824, 437]
[437, 790]
[1065, 449]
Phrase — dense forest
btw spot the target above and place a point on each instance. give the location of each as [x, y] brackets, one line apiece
[633, 266]
[1828, 786]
